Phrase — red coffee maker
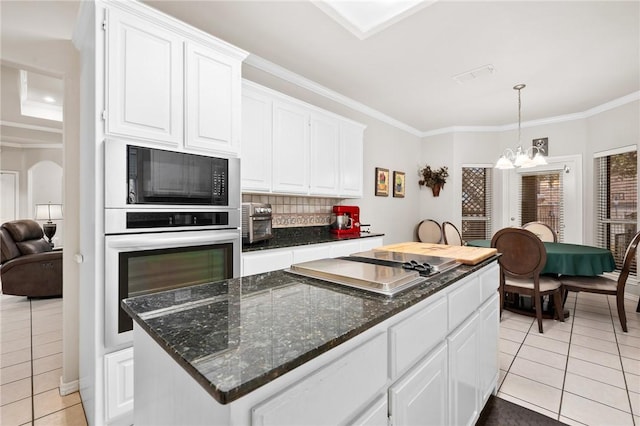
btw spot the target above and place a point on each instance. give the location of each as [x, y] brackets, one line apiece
[345, 220]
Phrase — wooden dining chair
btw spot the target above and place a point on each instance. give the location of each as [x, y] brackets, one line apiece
[451, 234]
[608, 286]
[522, 258]
[429, 231]
[542, 231]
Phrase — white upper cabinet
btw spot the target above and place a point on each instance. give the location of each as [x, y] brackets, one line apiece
[170, 83]
[291, 147]
[325, 165]
[212, 100]
[257, 121]
[145, 76]
[351, 159]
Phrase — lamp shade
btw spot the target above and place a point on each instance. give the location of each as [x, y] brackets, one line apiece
[48, 211]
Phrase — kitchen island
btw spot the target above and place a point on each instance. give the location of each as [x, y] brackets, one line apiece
[277, 348]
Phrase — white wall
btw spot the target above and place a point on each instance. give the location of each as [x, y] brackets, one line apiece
[384, 146]
[59, 57]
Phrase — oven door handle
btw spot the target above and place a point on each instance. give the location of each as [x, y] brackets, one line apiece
[177, 239]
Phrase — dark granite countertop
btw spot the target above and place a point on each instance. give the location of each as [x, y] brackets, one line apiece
[301, 236]
[236, 335]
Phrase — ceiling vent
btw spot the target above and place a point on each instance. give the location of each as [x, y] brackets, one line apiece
[474, 73]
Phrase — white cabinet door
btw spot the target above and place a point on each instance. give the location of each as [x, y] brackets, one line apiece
[463, 373]
[312, 252]
[330, 395]
[351, 159]
[370, 243]
[345, 248]
[420, 397]
[290, 148]
[488, 347]
[212, 100]
[325, 150]
[265, 261]
[145, 80]
[118, 367]
[257, 121]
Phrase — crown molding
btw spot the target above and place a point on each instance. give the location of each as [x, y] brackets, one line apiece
[540, 122]
[30, 127]
[291, 77]
[284, 74]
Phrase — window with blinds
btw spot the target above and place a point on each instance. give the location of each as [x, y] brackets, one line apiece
[476, 203]
[617, 203]
[541, 200]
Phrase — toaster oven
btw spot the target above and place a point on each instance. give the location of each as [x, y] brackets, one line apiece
[256, 222]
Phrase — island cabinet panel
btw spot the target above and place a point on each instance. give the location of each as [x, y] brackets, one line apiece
[489, 283]
[463, 300]
[145, 75]
[331, 395]
[412, 338]
[463, 373]
[212, 100]
[377, 414]
[488, 350]
[420, 397]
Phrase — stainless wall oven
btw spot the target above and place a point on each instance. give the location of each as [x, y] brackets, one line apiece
[137, 264]
[172, 221]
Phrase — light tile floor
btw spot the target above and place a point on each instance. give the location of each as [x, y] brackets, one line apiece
[31, 365]
[585, 371]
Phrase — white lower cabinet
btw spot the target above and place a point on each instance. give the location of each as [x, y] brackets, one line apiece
[420, 397]
[463, 373]
[260, 261]
[118, 367]
[329, 396]
[488, 351]
[443, 378]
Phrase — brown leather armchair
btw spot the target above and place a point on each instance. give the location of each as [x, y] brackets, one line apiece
[28, 265]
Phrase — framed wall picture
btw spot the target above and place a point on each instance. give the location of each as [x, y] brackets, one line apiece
[398, 184]
[382, 182]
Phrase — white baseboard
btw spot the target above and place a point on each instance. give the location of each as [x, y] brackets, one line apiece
[70, 387]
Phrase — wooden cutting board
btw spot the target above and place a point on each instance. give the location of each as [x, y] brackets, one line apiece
[463, 254]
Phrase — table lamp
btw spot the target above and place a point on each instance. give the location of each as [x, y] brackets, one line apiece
[49, 212]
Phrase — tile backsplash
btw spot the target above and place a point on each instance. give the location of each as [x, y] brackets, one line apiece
[291, 211]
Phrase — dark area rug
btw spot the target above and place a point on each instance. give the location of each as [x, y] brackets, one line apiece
[501, 412]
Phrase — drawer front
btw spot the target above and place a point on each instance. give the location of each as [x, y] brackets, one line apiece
[463, 300]
[412, 338]
[490, 281]
[257, 263]
[333, 394]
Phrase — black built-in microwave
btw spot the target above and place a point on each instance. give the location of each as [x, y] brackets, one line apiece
[157, 176]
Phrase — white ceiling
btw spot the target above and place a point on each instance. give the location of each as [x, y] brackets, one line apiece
[572, 55]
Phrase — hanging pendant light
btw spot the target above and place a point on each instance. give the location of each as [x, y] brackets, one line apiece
[520, 158]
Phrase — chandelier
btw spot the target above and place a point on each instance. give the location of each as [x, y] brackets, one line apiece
[522, 158]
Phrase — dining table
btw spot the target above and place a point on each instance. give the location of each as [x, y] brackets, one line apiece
[570, 259]
[562, 259]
